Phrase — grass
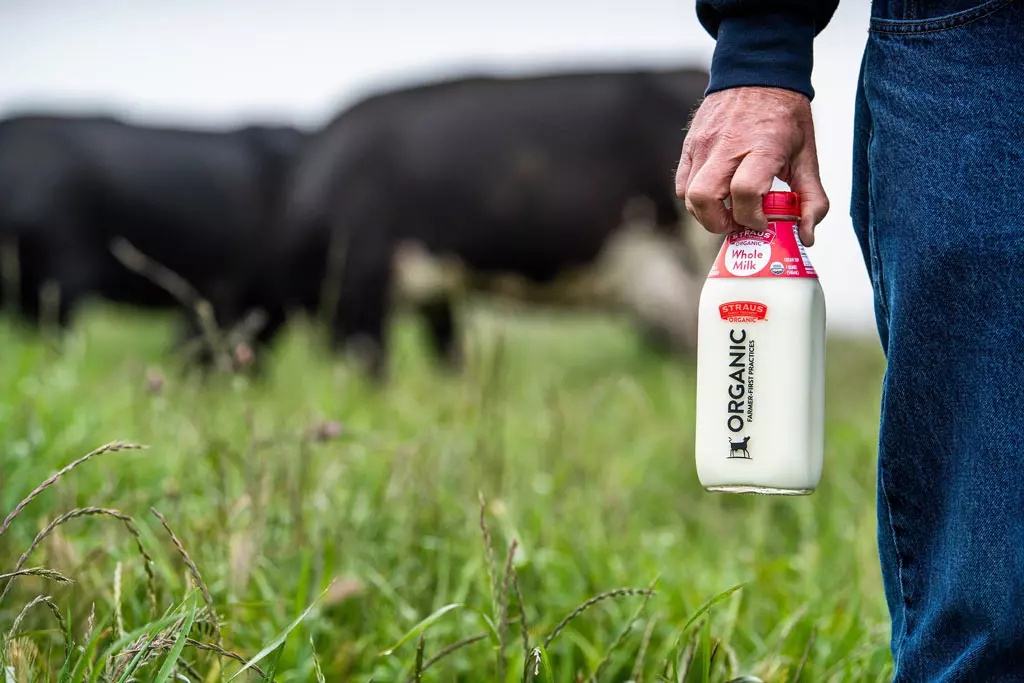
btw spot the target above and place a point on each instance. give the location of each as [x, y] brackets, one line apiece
[305, 524]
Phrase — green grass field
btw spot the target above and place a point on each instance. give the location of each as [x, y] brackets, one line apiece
[308, 489]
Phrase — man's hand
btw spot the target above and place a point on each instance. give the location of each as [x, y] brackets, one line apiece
[739, 141]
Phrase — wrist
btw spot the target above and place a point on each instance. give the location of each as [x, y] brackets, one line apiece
[771, 50]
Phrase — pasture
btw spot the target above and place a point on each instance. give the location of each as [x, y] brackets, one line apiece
[325, 521]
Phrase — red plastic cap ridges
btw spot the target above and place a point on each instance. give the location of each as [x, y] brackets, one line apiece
[781, 204]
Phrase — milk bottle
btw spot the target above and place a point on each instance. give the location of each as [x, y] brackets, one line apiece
[761, 361]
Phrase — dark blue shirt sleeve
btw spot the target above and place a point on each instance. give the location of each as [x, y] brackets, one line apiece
[764, 42]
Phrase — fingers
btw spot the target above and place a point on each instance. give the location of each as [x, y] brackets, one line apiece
[705, 196]
[696, 148]
[739, 141]
[814, 203]
[751, 182]
[683, 172]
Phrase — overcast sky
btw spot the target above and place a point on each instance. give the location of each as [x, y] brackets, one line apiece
[222, 62]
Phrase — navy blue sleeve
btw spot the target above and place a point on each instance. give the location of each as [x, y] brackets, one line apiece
[764, 42]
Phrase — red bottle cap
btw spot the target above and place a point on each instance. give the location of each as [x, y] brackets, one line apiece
[781, 204]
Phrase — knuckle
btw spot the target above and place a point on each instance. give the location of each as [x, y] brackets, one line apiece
[699, 195]
[745, 188]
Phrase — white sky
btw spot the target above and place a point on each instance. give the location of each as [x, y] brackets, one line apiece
[222, 62]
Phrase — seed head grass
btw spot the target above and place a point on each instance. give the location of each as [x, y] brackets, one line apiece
[47, 602]
[451, 649]
[43, 572]
[524, 624]
[193, 571]
[621, 637]
[273, 488]
[583, 607]
[637, 675]
[129, 524]
[55, 477]
[503, 608]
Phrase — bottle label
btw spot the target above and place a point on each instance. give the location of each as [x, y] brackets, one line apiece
[743, 311]
[739, 376]
[774, 252]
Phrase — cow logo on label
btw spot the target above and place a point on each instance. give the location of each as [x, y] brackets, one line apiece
[738, 449]
[743, 311]
[749, 251]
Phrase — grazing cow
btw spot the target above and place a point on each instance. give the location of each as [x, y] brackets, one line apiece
[198, 203]
[551, 188]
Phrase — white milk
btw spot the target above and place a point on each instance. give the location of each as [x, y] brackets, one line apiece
[761, 362]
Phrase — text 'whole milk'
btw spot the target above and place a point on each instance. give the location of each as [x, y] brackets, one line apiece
[761, 361]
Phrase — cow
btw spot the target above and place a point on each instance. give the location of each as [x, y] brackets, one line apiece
[547, 187]
[196, 203]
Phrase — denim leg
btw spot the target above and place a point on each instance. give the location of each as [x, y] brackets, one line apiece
[938, 206]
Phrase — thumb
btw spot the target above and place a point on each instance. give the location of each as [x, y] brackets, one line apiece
[814, 205]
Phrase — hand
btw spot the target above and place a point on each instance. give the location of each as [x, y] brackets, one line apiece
[740, 140]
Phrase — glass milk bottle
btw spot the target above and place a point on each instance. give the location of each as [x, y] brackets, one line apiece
[761, 361]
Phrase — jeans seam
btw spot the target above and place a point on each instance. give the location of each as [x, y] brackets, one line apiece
[939, 25]
[878, 282]
[898, 654]
[878, 279]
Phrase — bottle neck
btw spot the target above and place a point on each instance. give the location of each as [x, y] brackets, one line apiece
[779, 218]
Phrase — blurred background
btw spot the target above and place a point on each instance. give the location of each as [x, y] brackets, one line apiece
[228, 63]
[305, 484]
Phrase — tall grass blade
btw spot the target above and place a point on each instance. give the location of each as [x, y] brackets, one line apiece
[81, 670]
[705, 651]
[156, 626]
[316, 663]
[179, 643]
[721, 597]
[492, 629]
[272, 669]
[417, 672]
[126, 675]
[421, 627]
[645, 642]
[281, 637]
[803, 660]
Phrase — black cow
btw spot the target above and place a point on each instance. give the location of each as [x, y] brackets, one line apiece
[523, 184]
[199, 203]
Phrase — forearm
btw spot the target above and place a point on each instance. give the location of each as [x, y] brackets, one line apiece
[764, 42]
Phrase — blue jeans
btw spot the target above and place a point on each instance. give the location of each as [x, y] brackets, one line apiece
[938, 206]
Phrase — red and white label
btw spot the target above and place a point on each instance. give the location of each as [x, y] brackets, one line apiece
[774, 252]
[743, 311]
